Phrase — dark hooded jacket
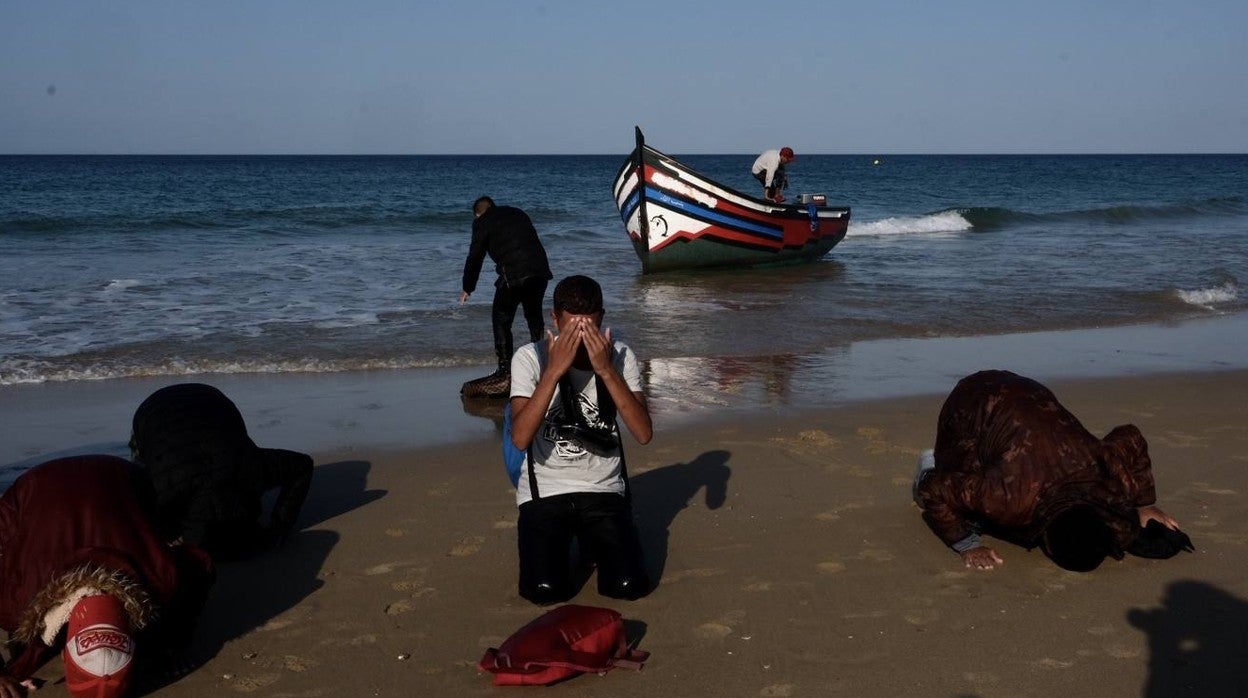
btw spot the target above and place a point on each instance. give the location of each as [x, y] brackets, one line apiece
[209, 477]
[80, 522]
[1010, 457]
[507, 235]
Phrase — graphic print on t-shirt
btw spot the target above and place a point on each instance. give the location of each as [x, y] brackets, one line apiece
[567, 448]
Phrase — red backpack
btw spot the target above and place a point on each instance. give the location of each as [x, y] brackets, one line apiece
[560, 644]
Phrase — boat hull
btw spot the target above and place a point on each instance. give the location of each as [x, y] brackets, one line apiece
[678, 219]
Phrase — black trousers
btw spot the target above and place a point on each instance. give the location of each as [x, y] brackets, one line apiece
[528, 293]
[602, 524]
[780, 181]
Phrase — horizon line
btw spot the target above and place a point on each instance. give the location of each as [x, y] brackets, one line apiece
[619, 154]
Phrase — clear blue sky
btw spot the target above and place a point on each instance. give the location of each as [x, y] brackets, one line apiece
[573, 76]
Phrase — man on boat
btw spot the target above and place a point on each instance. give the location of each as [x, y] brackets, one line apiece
[507, 235]
[1011, 461]
[566, 393]
[768, 169]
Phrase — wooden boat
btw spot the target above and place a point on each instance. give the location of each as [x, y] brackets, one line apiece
[678, 219]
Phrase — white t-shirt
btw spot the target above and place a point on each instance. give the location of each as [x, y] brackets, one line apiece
[563, 466]
[769, 161]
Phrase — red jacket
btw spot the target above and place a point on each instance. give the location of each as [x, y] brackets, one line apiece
[78, 521]
[1009, 457]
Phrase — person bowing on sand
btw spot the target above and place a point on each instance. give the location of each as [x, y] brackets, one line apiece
[83, 570]
[210, 478]
[1012, 462]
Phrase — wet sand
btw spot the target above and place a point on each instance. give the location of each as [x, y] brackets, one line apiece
[370, 411]
[791, 562]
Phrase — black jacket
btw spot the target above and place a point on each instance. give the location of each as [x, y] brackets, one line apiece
[508, 236]
[209, 476]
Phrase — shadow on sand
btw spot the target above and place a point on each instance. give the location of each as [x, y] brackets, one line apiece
[250, 593]
[659, 495]
[1196, 642]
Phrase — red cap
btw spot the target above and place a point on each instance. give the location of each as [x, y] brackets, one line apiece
[787, 152]
[99, 651]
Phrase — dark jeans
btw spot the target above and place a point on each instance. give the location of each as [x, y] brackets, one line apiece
[602, 523]
[528, 293]
[780, 181]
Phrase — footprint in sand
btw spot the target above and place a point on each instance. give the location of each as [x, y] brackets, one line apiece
[357, 641]
[923, 616]
[415, 587]
[778, 690]
[297, 664]
[399, 607]
[835, 514]
[1122, 652]
[695, 573]
[275, 624]
[720, 627]
[831, 567]
[757, 586]
[818, 437]
[251, 684]
[469, 545]
[712, 631]
[876, 555]
[981, 677]
[1051, 663]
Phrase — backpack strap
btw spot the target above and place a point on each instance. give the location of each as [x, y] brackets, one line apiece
[606, 412]
[540, 349]
[528, 462]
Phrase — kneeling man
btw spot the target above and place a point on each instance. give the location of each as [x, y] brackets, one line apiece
[566, 393]
[1011, 461]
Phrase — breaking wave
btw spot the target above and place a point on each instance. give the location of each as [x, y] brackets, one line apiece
[27, 372]
[983, 218]
[987, 218]
[1209, 297]
[941, 222]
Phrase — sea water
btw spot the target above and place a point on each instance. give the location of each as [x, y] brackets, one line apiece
[115, 266]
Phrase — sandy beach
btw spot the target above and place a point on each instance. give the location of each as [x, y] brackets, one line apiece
[790, 558]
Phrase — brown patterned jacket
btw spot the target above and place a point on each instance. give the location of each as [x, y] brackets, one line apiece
[1009, 457]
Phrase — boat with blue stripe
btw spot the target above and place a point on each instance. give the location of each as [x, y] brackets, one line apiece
[678, 219]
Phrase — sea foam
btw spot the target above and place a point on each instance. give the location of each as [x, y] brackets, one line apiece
[1209, 297]
[25, 372]
[942, 222]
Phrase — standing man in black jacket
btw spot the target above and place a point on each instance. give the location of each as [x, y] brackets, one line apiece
[508, 236]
